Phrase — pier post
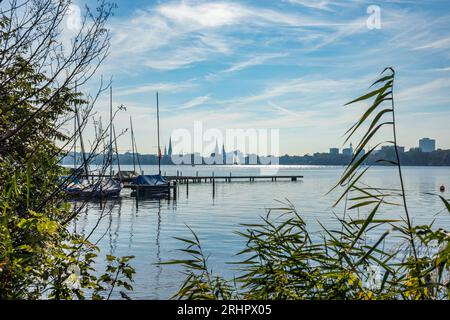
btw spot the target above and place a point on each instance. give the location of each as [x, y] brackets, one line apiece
[175, 186]
[137, 197]
[187, 187]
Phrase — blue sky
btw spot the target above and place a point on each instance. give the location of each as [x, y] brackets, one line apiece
[288, 64]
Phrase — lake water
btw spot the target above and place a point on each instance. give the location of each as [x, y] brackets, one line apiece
[147, 231]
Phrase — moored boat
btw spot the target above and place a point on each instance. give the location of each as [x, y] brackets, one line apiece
[151, 184]
[105, 188]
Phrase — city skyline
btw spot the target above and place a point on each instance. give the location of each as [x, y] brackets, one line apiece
[331, 150]
[166, 150]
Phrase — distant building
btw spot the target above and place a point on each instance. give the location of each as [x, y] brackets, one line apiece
[348, 151]
[334, 151]
[392, 149]
[427, 145]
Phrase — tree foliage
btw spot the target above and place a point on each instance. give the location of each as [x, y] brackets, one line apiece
[39, 256]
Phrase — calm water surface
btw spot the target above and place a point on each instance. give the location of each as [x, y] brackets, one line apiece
[147, 231]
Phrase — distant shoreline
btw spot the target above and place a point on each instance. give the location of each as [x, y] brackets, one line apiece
[438, 158]
[255, 165]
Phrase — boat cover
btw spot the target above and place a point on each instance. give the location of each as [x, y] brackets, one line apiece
[153, 180]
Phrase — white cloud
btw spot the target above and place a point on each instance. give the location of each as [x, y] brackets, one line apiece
[301, 86]
[206, 15]
[315, 4]
[426, 94]
[326, 5]
[201, 48]
[283, 110]
[442, 69]
[438, 44]
[179, 34]
[253, 62]
[195, 102]
[152, 88]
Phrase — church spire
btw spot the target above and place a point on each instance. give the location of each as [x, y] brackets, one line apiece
[224, 155]
[169, 152]
[216, 149]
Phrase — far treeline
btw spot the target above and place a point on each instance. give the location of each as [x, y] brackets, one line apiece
[409, 158]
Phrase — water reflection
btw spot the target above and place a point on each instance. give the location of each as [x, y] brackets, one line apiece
[158, 247]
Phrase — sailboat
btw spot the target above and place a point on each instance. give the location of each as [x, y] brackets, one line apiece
[74, 184]
[128, 176]
[153, 185]
[104, 187]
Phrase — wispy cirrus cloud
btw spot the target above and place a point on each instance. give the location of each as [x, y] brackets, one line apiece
[443, 43]
[315, 4]
[431, 92]
[299, 87]
[179, 34]
[326, 5]
[194, 102]
[251, 62]
[152, 87]
[445, 69]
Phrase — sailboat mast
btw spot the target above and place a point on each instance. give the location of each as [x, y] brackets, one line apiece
[110, 132]
[75, 134]
[132, 144]
[157, 124]
[117, 153]
[83, 153]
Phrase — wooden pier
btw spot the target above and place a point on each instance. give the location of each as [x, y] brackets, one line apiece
[211, 178]
[229, 178]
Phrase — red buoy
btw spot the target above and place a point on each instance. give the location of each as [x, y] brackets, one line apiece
[442, 188]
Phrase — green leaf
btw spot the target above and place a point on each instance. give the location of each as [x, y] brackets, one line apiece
[371, 94]
[383, 79]
[362, 204]
[447, 205]
[366, 224]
